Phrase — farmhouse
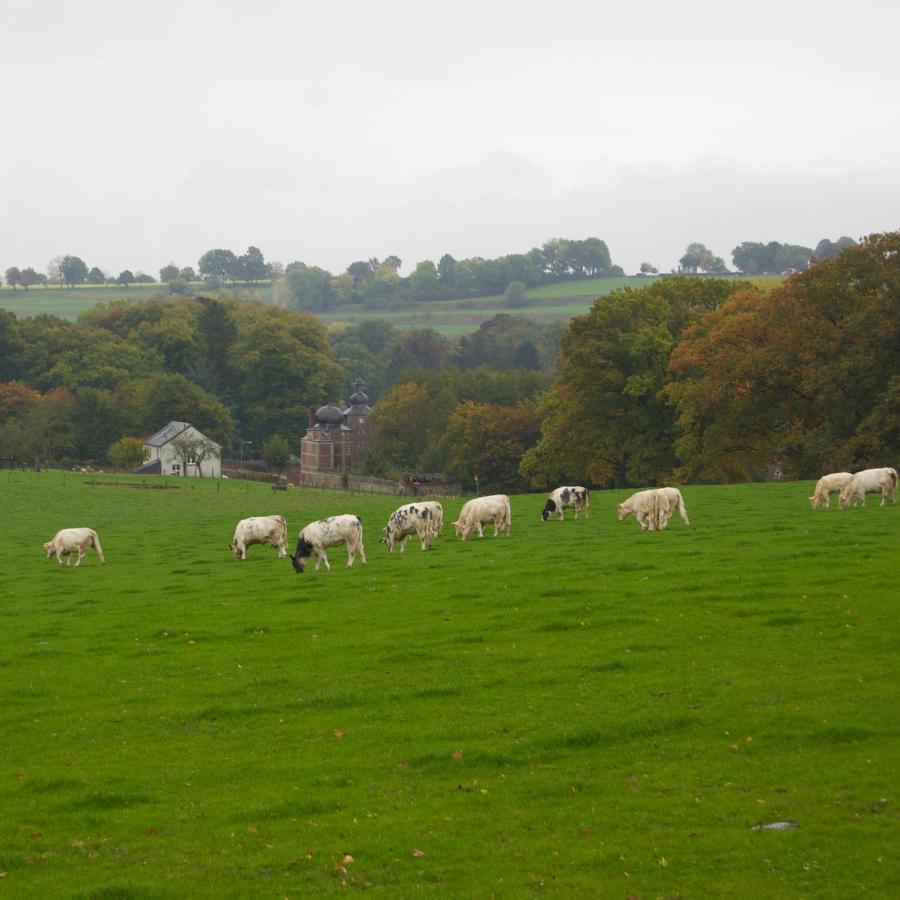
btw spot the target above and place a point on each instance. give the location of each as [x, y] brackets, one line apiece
[335, 441]
[181, 449]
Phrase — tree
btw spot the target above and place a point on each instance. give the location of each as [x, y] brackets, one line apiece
[697, 257]
[310, 286]
[126, 277]
[252, 266]
[220, 264]
[423, 282]
[30, 278]
[805, 376]
[95, 276]
[193, 450]
[604, 420]
[169, 272]
[73, 270]
[276, 452]
[487, 442]
[14, 276]
[143, 278]
[360, 272]
[188, 274]
[648, 269]
[127, 453]
[827, 249]
[54, 270]
[515, 294]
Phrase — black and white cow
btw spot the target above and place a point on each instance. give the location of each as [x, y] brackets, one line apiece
[316, 537]
[407, 520]
[571, 497]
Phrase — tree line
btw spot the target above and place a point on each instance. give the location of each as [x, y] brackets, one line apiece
[684, 380]
[70, 391]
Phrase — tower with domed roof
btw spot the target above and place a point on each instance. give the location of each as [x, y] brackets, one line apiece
[335, 439]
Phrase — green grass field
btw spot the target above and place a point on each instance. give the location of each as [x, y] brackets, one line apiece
[580, 710]
[548, 303]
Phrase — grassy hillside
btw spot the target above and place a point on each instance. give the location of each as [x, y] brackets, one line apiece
[548, 303]
[580, 710]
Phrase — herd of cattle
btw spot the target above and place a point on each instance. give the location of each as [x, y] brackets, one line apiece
[652, 509]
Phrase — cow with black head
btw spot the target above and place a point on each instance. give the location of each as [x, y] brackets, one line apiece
[316, 537]
[563, 498]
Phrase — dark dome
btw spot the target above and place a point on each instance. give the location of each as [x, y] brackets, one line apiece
[360, 398]
[329, 414]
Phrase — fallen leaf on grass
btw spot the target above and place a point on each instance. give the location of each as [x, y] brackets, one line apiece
[338, 733]
[457, 754]
[417, 852]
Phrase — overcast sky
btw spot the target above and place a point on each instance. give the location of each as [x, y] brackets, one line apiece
[141, 133]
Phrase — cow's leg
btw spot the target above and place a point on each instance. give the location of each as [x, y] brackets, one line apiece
[362, 553]
[80, 556]
[403, 543]
[323, 556]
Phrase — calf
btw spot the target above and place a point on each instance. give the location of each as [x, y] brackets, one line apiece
[476, 513]
[73, 540]
[867, 482]
[260, 530]
[825, 486]
[316, 537]
[564, 498]
[406, 520]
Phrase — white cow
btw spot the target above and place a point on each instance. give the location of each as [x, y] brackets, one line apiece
[73, 540]
[317, 537]
[563, 498]
[476, 513]
[406, 520]
[825, 486]
[260, 530]
[436, 517]
[867, 482]
[653, 508]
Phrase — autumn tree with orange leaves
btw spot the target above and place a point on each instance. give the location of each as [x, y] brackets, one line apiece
[807, 377]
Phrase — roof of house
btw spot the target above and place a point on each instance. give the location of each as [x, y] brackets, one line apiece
[169, 433]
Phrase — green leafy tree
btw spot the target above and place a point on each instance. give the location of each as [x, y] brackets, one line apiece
[252, 265]
[30, 278]
[126, 277]
[169, 272]
[73, 270]
[127, 453]
[276, 452]
[95, 276]
[219, 264]
[515, 294]
[605, 420]
[309, 286]
[424, 283]
[489, 441]
[14, 276]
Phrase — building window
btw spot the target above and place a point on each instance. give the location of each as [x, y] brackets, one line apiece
[176, 468]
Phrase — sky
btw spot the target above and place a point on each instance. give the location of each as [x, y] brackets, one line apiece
[143, 133]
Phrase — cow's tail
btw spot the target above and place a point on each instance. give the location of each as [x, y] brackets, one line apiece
[682, 511]
[95, 541]
[283, 529]
[587, 503]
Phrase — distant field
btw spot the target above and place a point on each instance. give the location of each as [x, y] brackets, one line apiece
[556, 302]
[579, 710]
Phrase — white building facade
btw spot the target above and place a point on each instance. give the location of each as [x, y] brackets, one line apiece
[181, 449]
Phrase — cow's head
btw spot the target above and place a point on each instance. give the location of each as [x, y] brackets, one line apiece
[387, 537]
[48, 546]
[623, 512]
[548, 510]
[234, 549]
[301, 554]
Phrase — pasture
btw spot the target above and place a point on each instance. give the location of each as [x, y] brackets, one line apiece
[580, 710]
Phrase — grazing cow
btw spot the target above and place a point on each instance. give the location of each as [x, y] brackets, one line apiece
[564, 498]
[317, 537]
[73, 540]
[476, 513]
[825, 486]
[406, 520]
[654, 508]
[260, 530]
[867, 482]
[436, 516]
